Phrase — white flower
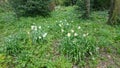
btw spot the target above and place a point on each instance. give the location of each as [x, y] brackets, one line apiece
[62, 30]
[79, 27]
[75, 34]
[40, 37]
[28, 32]
[39, 27]
[65, 20]
[72, 21]
[67, 24]
[87, 34]
[68, 34]
[60, 25]
[44, 35]
[60, 21]
[33, 27]
[84, 35]
[90, 53]
[48, 26]
[72, 31]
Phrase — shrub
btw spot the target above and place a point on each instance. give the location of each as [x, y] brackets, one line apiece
[30, 7]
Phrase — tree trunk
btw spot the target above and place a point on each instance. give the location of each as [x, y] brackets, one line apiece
[87, 9]
[114, 14]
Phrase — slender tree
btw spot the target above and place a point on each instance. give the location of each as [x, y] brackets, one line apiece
[87, 9]
[114, 13]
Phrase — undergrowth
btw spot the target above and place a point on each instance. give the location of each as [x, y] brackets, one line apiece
[29, 42]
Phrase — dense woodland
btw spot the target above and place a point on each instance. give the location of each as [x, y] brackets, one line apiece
[59, 33]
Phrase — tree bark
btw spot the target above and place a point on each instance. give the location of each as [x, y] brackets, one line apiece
[87, 9]
[114, 14]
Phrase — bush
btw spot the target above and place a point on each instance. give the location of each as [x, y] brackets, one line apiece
[30, 7]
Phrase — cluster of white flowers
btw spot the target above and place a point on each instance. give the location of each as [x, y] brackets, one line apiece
[69, 34]
[75, 34]
[39, 27]
[60, 25]
[72, 30]
[44, 35]
[60, 21]
[62, 30]
[35, 27]
[84, 35]
[79, 27]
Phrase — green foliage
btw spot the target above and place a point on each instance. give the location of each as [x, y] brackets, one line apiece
[81, 5]
[7, 17]
[78, 47]
[67, 39]
[13, 46]
[65, 2]
[4, 7]
[101, 4]
[95, 4]
[30, 7]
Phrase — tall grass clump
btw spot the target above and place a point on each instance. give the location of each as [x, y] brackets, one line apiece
[78, 46]
[14, 44]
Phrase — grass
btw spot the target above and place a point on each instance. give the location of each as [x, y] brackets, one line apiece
[60, 41]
